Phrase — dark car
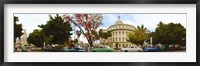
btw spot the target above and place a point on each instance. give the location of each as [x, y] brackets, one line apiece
[165, 48]
[74, 50]
[49, 50]
[152, 49]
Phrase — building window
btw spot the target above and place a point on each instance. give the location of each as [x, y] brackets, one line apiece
[119, 38]
[119, 33]
[113, 39]
[122, 33]
[116, 39]
[123, 39]
[116, 33]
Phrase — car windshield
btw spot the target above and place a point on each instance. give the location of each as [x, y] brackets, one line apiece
[104, 47]
[150, 47]
[133, 47]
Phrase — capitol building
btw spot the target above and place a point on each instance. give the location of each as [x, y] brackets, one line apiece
[119, 33]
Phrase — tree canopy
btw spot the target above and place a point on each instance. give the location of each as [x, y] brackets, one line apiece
[55, 31]
[104, 34]
[138, 36]
[17, 29]
[36, 37]
[171, 33]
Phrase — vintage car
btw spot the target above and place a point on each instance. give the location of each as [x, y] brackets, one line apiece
[74, 50]
[103, 49]
[165, 48]
[49, 49]
[132, 49]
[152, 49]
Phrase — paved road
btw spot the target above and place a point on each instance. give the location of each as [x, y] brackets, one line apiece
[162, 51]
[179, 51]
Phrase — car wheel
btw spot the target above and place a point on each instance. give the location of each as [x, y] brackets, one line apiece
[126, 51]
[139, 50]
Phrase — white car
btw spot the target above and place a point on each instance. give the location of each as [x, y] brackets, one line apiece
[132, 49]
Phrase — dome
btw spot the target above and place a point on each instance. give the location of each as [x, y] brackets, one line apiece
[119, 25]
[119, 21]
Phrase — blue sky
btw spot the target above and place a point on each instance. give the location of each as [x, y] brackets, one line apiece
[31, 21]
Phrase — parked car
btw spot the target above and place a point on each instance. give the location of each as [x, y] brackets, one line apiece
[152, 49]
[165, 48]
[24, 49]
[103, 49]
[132, 49]
[49, 50]
[36, 49]
[74, 50]
[173, 48]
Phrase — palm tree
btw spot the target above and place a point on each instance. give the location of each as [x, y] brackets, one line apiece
[142, 28]
[139, 35]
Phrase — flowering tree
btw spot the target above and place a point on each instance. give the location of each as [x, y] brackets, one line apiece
[87, 24]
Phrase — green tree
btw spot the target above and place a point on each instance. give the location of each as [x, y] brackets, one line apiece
[170, 33]
[138, 36]
[17, 29]
[87, 24]
[116, 45]
[57, 30]
[36, 38]
[104, 35]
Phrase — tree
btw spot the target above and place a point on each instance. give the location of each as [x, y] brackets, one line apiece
[104, 35]
[170, 33]
[138, 36]
[56, 31]
[17, 29]
[87, 24]
[37, 38]
[117, 45]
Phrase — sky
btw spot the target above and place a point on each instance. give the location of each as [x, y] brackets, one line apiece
[150, 21]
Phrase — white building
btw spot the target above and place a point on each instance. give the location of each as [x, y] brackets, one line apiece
[119, 33]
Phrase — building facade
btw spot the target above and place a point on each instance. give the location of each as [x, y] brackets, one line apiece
[119, 33]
